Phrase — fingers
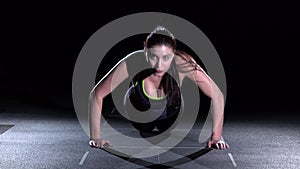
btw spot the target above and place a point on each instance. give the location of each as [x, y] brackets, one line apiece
[218, 146]
[221, 145]
[105, 143]
[226, 146]
[211, 144]
[101, 143]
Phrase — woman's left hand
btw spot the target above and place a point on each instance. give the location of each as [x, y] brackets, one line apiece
[217, 144]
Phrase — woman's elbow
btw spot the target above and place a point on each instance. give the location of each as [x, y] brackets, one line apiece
[95, 96]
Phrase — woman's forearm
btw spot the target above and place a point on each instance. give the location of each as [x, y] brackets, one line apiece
[210, 89]
[102, 90]
[95, 117]
[218, 115]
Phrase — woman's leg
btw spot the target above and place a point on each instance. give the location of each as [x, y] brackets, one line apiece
[165, 124]
[144, 127]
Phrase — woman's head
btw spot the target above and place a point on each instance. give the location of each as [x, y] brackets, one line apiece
[159, 49]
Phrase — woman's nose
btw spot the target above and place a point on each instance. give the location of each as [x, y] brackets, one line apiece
[159, 63]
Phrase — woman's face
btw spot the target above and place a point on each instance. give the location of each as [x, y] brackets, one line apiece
[160, 57]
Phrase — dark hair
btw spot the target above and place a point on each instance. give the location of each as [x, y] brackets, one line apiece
[160, 36]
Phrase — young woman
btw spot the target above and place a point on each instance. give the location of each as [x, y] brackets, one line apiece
[157, 89]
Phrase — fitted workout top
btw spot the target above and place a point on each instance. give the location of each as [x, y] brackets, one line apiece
[164, 105]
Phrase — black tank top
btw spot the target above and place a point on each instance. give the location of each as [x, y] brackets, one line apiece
[167, 106]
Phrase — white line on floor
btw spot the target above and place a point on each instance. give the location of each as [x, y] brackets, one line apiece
[230, 155]
[158, 159]
[232, 160]
[195, 147]
[83, 158]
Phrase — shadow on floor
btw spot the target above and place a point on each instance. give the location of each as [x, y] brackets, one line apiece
[169, 164]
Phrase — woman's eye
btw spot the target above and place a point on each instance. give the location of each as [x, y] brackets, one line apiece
[166, 58]
[152, 57]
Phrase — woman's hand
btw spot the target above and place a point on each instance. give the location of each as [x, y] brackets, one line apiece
[99, 143]
[217, 144]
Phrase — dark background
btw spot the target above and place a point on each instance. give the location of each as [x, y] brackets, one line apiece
[257, 43]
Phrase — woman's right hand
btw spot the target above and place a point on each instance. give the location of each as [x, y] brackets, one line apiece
[217, 144]
[99, 143]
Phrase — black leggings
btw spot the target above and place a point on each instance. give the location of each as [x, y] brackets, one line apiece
[162, 125]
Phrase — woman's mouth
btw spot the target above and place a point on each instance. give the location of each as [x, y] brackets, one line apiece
[159, 72]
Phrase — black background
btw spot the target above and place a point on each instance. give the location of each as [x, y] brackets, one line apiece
[257, 43]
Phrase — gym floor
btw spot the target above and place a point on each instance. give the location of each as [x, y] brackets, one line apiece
[44, 137]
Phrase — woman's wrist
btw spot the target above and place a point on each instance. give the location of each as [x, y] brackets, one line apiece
[96, 139]
[215, 137]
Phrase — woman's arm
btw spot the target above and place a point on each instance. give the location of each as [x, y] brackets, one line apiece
[96, 100]
[187, 67]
